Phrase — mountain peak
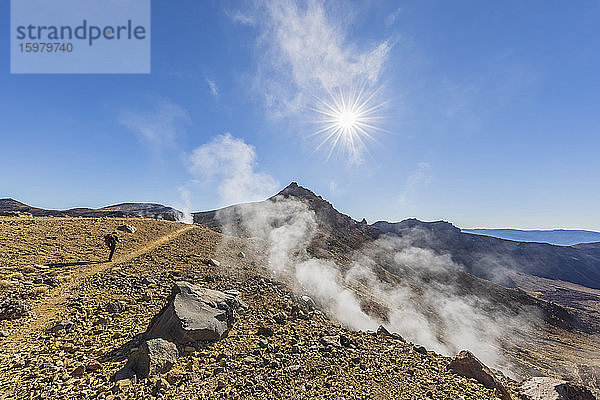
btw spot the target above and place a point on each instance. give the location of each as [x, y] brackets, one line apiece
[295, 190]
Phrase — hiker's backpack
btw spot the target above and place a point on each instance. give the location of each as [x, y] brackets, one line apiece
[108, 239]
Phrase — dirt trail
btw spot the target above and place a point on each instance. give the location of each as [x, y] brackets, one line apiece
[54, 304]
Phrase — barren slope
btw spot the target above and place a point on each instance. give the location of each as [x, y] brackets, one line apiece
[37, 363]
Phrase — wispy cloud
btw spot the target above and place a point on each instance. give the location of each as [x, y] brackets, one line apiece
[415, 182]
[306, 53]
[158, 127]
[232, 163]
[212, 86]
[392, 17]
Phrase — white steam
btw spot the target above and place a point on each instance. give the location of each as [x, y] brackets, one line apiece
[423, 303]
[186, 197]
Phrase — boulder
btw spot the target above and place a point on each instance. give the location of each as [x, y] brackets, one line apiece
[13, 309]
[543, 388]
[126, 228]
[153, 357]
[193, 314]
[467, 365]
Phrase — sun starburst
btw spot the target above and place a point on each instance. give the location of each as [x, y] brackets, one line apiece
[347, 119]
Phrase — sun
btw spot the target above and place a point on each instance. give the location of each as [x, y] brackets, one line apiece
[346, 121]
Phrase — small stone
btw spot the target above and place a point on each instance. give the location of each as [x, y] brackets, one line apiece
[146, 297]
[93, 365]
[63, 325]
[114, 307]
[127, 228]
[161, 384]
[172, 378]
[241, 254]
[420, 349]
[294, 368]
[213, 262]
[280, 318]
[79, 371]
[121, 385]
[4, 334]
[308, 302]
[147, 281]
[333, 340]
[264, 331]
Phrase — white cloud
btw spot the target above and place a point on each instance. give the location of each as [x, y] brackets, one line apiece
[241, 18]
[231, 162]
[212, 86]
[159, 127]
[307, 53]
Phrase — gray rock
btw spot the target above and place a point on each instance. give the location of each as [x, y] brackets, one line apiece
[308, 303]
[294, 368]
[265, 331]
[127, 228]
[241, 254]
[114, 307]
[63, 325]
[333, 340]
[280, 318]
[542, 388]
[467, 365]
[147, 281]
[13, 309]
[194, 313]
[153, 357]
[420, 349]
[383, 332]
[213, 262]
[4, 334]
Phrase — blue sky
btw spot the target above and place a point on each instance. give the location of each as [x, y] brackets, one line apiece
[489, 112]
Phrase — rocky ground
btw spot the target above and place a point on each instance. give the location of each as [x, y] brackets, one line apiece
[81, 320]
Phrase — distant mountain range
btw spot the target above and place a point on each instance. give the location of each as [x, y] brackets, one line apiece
[485, 256]
[143, 210]
[559, 237]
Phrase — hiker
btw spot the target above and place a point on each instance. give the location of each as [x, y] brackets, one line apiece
[111, 240]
